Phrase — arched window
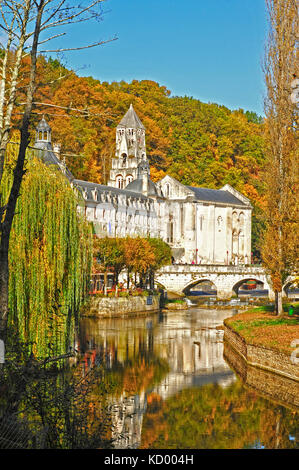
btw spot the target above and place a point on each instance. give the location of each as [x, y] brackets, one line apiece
[235, 247]
[167, 190]
[235, 219]
[129, 179]
[119, 181]
[124, 157]
[241, 243]
[241, 219]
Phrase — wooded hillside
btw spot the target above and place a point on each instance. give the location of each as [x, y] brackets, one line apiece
[199, 144]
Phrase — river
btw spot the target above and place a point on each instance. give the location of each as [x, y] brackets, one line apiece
[173, 389]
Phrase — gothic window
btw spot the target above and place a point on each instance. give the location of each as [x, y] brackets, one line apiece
[235, 219]
[124, 157]
[119, 181]
[167, 190]
[235, 243]
[241, 243]
[171, 232]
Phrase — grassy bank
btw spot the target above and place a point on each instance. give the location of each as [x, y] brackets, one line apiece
[260, 327]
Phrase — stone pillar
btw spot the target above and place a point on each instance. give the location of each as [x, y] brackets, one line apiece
[224, 294]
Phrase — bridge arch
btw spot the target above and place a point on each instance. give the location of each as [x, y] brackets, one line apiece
[288, 286]
[203, 281]
[238, 284]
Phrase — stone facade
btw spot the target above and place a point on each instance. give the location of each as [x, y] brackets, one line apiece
[201, 225]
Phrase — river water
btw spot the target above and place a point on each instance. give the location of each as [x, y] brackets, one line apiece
[173, 389]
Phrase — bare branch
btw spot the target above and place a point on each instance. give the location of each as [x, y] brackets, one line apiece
[52, 37]
[70, 18]
[80, 48]
[68, 108]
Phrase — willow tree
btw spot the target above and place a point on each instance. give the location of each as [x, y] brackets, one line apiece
[280, 244]
[50, 258]
[27, 25]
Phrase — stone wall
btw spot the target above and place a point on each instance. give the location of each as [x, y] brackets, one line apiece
[264, 358]
[101, 307]
[236, 341]
[276, 387]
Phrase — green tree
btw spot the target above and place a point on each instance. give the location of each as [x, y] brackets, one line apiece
[162, 253]
[110, 254]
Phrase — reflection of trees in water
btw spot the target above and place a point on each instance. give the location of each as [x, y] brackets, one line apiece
[115, 343]
[211, 417]
[68, 410]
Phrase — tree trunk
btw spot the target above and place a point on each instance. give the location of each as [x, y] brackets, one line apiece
[4, 273]
[105, 282]
[278, 303]
[128, 279]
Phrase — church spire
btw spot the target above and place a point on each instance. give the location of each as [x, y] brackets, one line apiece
[130, 136]
[130, 150]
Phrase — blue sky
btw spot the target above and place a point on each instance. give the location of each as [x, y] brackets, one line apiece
[209, 49]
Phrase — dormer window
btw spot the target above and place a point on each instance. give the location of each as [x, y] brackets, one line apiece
[95, 194]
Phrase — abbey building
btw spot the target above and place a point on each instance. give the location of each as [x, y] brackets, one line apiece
[201, 225]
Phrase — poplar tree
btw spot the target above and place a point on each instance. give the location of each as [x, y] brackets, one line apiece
[280, 241]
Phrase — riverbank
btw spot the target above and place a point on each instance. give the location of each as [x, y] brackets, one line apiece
[265, 341]
[107, 307]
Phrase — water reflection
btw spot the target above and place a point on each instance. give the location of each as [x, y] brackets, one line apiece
[172, 386]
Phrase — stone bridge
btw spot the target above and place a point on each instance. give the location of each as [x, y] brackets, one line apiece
[179, 278]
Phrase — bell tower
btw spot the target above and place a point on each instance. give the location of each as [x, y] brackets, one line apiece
[130, 150]
[43, 132]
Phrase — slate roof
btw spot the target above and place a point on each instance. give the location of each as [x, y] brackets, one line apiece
[131, 120]
[45, 153]
[216, 195]
[43, 125]
[136, 186]
[88, 186]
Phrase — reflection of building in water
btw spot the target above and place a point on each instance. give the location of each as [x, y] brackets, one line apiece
[194, 360]
[127, 414]
[188, 341]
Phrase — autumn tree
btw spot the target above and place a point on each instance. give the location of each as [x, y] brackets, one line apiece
[280, 243]
[139, 257]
